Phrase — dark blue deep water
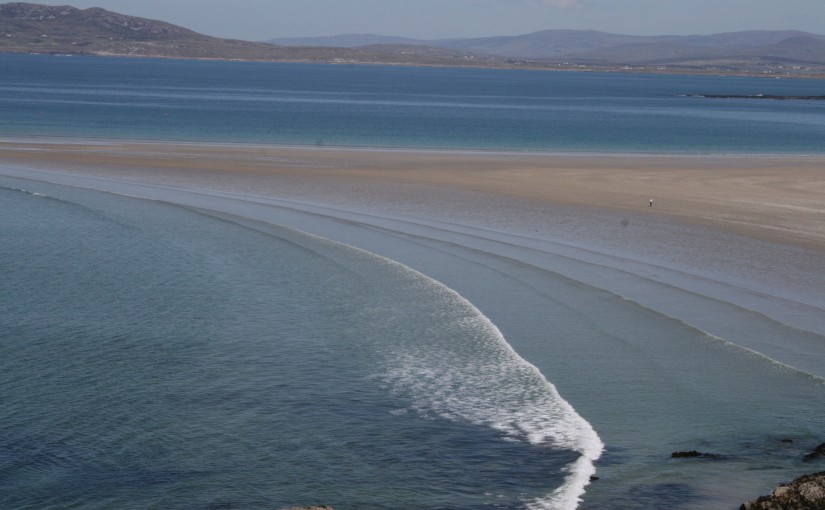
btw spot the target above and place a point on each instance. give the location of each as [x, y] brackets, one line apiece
[308, 104]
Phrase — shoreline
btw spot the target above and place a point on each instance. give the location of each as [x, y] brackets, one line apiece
[526, 65]
[411, 199]
[53, 140]
[776, 198]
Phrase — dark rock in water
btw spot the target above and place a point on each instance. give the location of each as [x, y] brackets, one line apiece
[682, 455]
[818, 453]
[759, 96]
[694, 454]
[322, 507]
[804, 493]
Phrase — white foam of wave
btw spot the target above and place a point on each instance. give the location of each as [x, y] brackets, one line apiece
[29, 192]
[456, 364]
[475, 377]
[459, 366]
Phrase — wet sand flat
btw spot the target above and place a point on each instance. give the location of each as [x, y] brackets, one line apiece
[779, 198]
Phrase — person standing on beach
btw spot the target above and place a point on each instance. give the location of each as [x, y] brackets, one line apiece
[651, 202]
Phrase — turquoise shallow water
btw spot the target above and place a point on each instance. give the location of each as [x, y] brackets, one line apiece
[157, 356]
[221, 350]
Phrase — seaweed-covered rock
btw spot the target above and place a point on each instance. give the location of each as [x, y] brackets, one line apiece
[694, 454]
[818, 453]
[804, 493]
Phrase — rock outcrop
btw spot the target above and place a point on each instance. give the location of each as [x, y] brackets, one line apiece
[804, 493]
[818, 453]
[694, 454]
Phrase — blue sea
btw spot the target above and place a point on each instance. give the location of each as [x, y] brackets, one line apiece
[199, 346]
[356, 106]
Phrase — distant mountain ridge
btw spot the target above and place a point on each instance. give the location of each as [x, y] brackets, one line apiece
[346, 41]
[19, 18]
[37, 28]
[606, 48]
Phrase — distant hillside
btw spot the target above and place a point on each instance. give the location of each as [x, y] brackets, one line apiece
[346, 41]
[752, 51]
[549, 44]
[542, 44]
[793, 52]
[35, 28]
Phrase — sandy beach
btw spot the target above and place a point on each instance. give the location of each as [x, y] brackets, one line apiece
[778, 198]
[263, 286]
[653, 322]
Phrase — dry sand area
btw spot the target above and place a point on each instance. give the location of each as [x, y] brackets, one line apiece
[781, 198]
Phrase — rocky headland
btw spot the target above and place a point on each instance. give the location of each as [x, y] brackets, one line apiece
[816, 454]
[804, 493]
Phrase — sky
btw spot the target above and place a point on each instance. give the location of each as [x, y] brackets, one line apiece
[258, 20]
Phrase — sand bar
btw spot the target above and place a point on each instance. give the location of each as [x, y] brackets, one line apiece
[775, 198]
[779, 198]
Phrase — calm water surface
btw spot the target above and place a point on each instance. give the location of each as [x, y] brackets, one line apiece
[199, 356]
[310, 104]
